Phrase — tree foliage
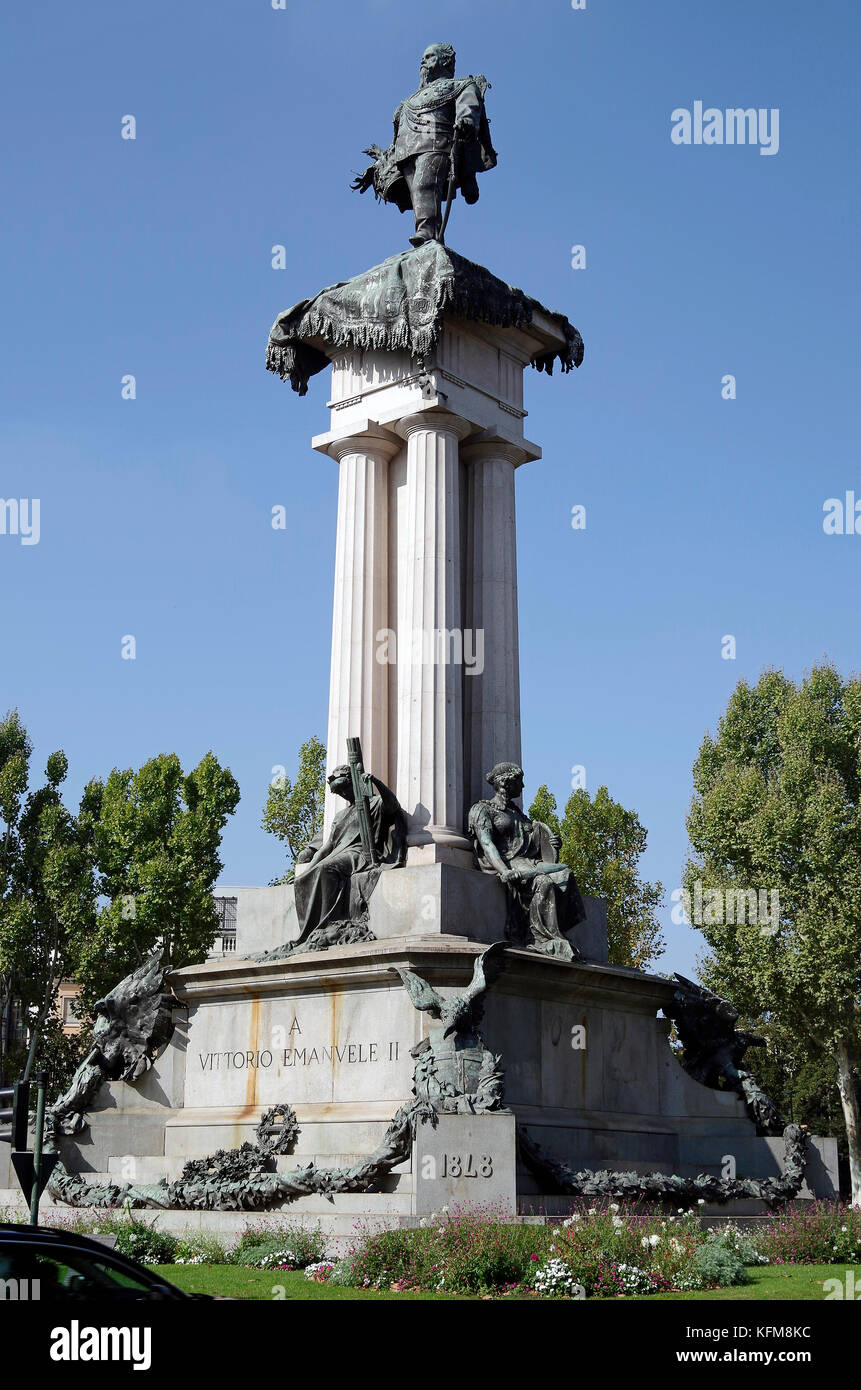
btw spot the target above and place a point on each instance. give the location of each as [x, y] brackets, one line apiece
[44, 892]
[294, 810]
[799, 1079]
[154, 835]
[602, 843]
[776, 807]
[87, 896]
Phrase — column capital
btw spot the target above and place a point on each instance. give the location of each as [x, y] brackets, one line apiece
[368, 438]
[486, 446]
[441, 420]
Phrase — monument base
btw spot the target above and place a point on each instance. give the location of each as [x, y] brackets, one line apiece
[589, 1076]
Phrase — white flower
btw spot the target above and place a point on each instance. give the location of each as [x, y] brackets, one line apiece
[555, 1277]
[614, 1206]
[654, 1240]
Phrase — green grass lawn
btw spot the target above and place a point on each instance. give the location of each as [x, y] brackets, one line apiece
[232, 1281]
[802, 1282]
[771, 1282]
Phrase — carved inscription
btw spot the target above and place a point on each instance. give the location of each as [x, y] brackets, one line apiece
[302, 1055]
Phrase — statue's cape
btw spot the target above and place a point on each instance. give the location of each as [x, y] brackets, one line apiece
[399, 306]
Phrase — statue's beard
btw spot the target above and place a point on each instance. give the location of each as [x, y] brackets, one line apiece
[426, 76]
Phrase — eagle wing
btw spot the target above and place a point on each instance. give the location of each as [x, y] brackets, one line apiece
[488, 967]
[423, 996]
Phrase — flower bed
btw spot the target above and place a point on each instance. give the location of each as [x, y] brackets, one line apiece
[603, 1250]
[260, 1246]
[820, 1233]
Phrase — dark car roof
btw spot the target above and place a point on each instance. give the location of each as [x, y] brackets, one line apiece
[50, 1235]
[13, 1231]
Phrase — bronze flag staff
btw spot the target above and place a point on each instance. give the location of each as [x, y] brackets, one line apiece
[361, 792]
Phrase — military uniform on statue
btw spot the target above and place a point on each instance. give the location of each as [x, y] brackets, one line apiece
[442, 141]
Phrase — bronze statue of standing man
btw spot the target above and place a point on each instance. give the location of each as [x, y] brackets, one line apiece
[442, 141]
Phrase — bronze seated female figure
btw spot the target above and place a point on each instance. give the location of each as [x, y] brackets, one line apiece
[544, 902]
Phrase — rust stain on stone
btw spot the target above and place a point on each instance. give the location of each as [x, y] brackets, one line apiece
[335, 1028]
[254, 1044]
[583, 1059]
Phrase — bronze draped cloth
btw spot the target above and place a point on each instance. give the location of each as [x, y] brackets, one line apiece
[399, 306]
[338, 888]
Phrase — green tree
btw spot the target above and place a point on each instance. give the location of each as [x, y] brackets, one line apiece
[776, 809]
[294, 810]
[54, 1051]
[154, 837]
[799, 1080]
[544, 809]
[45, 889]
[87, 896]
[602, 843]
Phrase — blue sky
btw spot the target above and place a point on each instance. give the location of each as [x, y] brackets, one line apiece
[152, 257]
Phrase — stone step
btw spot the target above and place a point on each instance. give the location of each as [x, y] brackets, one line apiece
[339, 1225]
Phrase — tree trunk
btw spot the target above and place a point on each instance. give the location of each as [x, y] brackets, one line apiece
[5, 1002]
[851, 1116]
[47, 1003]
[36, 1032]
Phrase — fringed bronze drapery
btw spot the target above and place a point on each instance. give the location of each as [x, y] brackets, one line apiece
[399, 306]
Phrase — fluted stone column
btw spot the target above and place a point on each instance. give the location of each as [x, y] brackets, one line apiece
[358, 690]
[429, 782]
[491, 696]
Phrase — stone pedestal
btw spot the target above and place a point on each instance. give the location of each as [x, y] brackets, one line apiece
[432, 899]
[438, 899]
[466, 1160]
[588, 1071]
